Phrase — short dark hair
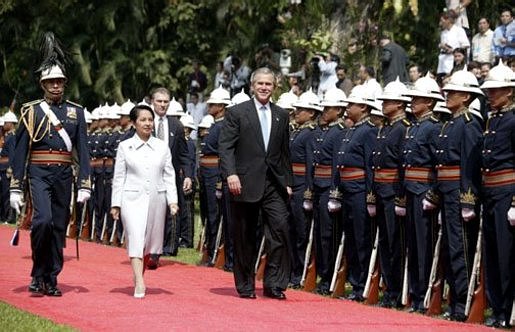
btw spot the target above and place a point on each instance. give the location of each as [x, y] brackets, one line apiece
[370, 71]
[341, 67]
[136, 110]
[507, 10]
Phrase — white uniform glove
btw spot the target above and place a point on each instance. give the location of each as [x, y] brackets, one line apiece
[468, 214]
[371, 208]
[511, 216]
[334, 205]
[16, 200]
[400, 211]
[218, 194]
[83, 195]
[307, 205]
[427, 205]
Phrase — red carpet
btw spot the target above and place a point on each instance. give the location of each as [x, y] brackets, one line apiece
[98, 297]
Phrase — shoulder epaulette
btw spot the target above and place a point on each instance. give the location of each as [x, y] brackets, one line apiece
[406, 122]
[74, 104]
[32, 103]
[467, 117]
[434, 119]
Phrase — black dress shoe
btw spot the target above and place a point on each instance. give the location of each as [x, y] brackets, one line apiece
[458, 317]
[251, 295]
[37, 288]
[274, 293]
[53, 291]
[322, 291]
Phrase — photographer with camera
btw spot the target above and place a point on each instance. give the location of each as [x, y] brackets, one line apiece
[197, 81]
[326, 65]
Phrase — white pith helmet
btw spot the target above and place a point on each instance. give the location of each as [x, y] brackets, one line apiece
[426, 87]
[475, 108]
[239, 98]
[360, 95]
[10, 117]
[52, 72]
[287, 99]
[334, 97]
[126, 107]
[309, 100]
[187, 121]
[463, 81]
[175, 108]
[499, 76]
[441, 107]
[206, 122]
[219, 96]
[395, 90]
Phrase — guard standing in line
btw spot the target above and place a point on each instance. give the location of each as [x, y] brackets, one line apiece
[325, 168]
[49, 130]
[390, 198]
[499, 194]
[99, 154]
[301, 157]
[8, 122]
[419, 177]
[188, 213]
[354, 182]
[458, 157]
[211, 176]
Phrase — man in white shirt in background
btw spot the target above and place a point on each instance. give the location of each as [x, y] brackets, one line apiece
[451, 37]
[482, 42]
[367, 76]
[197, 110]
[460, 7]
[328, 78]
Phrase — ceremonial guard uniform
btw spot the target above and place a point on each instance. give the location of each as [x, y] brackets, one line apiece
[499, 195]
[354, 181]
[216, 195]
[188, 213]
[419, 177]
[390, 198]
[7, 145]
[49, 129]
[301, 157]
[326, 145]
[458, 152]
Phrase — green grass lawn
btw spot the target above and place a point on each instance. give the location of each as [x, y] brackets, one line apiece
[13, 319]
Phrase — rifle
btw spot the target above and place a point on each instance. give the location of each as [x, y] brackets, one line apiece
[405, 282]
[476, 297]
[371, 291]
[259, 267]
[433, 298]
[512, 318]
[104, 225]
[337, 287]
[71, 229]
[82, 217]
[113, 233]
[309, 273]
[217, 242]
[93, 226]
[16, 235]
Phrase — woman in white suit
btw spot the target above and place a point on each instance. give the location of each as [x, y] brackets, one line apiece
[143, 187]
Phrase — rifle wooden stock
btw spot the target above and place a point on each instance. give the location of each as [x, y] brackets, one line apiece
[310, 282]
[84, 224]
[477, 309]
[337, 263]
[371, 291]
[433, 298]
[260, 273]
[220, 258]
[202, 239]
[217, 243]
[341, 280]
[309, 262]
[435, 302]
[476, 300]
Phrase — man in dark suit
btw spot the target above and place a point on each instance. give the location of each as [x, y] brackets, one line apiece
[394, 60]
[255, 160]
[170, 129]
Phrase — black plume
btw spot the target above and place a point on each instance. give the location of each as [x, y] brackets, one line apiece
[52, 53]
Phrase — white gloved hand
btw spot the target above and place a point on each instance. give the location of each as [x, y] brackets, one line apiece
[511, 216]
[400, 211]
[427, 205]
[16, 200]
[307, 205]
[334, 205]
[371, 208]
[468, 214]
[218, 194]
[83, 195]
